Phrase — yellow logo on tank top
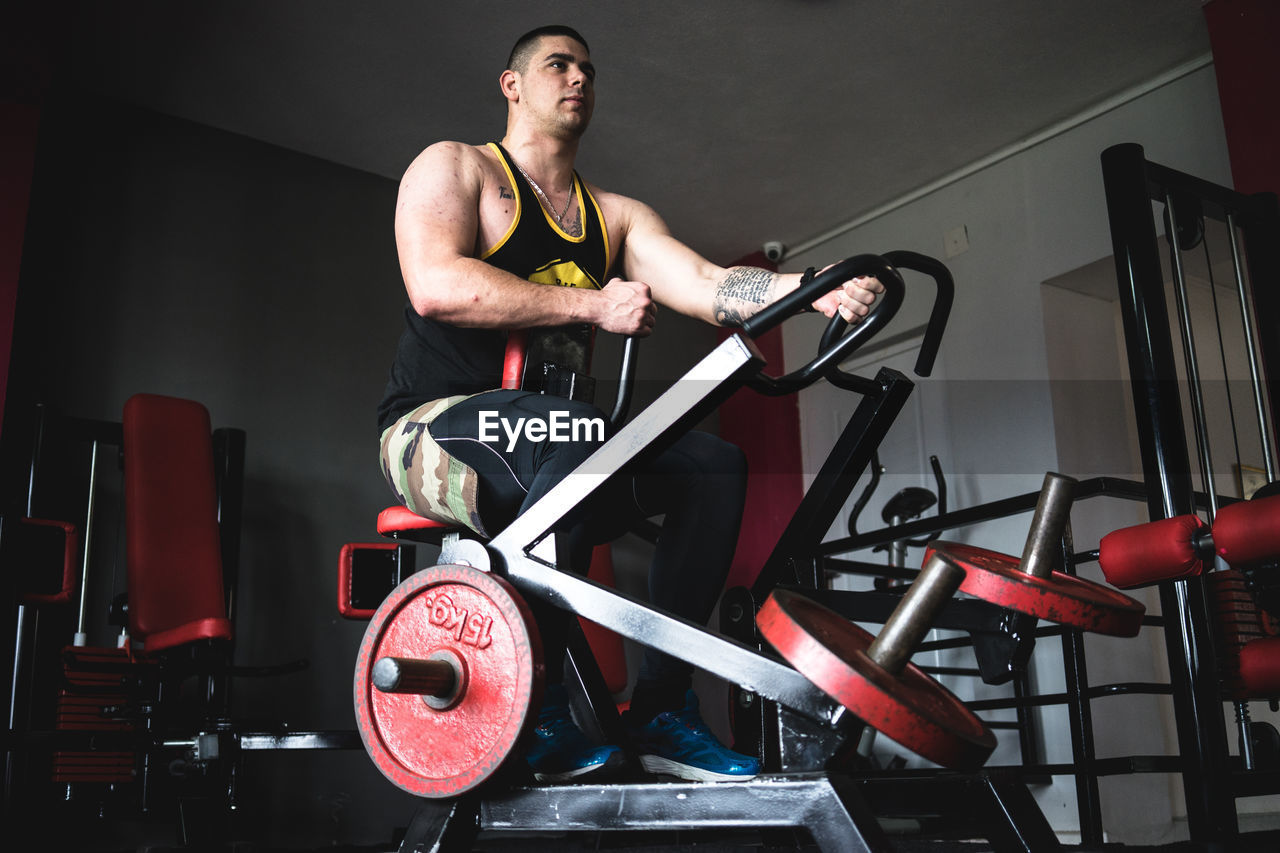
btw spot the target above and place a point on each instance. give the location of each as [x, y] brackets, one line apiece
[564, 274]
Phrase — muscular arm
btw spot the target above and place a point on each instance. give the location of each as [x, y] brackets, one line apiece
[437, 231]
[687, 282]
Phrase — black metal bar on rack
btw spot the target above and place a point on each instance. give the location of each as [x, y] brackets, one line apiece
[1091, 488]
[1080, 716]
[1131, 184]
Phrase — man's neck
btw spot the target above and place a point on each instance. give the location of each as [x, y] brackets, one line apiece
[548, 159]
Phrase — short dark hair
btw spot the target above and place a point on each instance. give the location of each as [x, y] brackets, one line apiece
[519, 59]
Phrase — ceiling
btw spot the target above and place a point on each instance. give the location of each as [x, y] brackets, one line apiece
[740, 121]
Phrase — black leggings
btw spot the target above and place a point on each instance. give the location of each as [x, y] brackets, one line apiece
[699, 483]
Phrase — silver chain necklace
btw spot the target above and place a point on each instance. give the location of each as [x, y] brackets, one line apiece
[550, 207]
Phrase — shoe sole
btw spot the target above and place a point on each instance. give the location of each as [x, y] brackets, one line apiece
[613, 764]
[667, 767]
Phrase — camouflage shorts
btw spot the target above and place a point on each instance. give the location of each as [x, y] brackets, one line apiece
[425, 478]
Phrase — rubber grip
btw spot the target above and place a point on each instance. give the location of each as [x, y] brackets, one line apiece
[1248, 532]
[1151, 553]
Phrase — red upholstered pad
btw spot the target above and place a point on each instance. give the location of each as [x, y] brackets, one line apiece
[1260, 667]
[1151, 553]
[173, 550]
[402, 520]
[1248, 532]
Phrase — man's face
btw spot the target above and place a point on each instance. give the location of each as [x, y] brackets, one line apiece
[558, 86]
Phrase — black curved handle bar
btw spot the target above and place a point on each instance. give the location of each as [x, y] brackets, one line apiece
[626, 381]
[844, 346]
[933, 331]
[946, 289]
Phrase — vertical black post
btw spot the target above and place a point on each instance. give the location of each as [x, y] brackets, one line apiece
[1166, 466]
[1261, 229]
[1080, 715]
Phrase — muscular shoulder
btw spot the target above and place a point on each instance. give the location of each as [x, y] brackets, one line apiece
[450, 163]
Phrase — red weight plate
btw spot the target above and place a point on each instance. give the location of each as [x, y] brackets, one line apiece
[911, 707]
[1060, 598]
[480, 618]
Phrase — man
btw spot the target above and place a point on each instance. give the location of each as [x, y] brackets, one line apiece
[482, 231]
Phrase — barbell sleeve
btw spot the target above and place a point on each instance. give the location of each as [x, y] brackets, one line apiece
[430, 677]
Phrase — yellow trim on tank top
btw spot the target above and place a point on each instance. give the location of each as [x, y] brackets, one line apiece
[579, 188]
[604, 230]
[514, 191]
[555, 226]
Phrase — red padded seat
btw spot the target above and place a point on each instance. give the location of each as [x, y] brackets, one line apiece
[173, 549]
[400, 522]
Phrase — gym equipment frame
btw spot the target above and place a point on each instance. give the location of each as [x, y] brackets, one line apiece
[1211, 781]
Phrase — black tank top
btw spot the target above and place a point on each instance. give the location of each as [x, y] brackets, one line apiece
[436, 359]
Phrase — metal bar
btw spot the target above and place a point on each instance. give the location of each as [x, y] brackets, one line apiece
[1199, 424]
[1165, 461]
[832, 811]
[1028, 742]
[1261, 230]
[1088, 794]
[1166, 466]
[840, 472]
[636, 620]
[1094, 487]
[958, 614]
[913, 618]
[1015, 821]
[1250, 341]
[696, 393]
[1052, 515]
[82, 638]
[626, 382]
[1100, 691]
[256, 741]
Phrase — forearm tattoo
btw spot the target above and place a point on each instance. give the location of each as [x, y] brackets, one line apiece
[743, 292]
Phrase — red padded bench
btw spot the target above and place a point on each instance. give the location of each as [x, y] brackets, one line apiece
[173, 547]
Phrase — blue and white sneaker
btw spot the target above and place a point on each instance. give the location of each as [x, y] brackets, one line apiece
[560, 751]
[678, 743]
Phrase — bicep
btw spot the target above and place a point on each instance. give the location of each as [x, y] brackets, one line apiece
[436, 216]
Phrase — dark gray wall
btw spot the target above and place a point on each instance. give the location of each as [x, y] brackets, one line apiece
[171, 258]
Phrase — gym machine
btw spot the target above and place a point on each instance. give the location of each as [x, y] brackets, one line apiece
[1189, 591]
[448, 675]
[141, 729]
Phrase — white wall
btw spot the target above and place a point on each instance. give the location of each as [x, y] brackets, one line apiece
[989, 413]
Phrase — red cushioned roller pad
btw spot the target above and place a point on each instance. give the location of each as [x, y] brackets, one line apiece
[1260, 667]
[1248, 532]
[1151, 553]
